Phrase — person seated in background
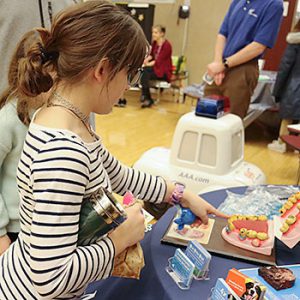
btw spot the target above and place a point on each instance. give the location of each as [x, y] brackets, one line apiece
[158, 65]
[287, 87]
[15, 115]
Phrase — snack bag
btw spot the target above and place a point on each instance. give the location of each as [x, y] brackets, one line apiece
[129, 263]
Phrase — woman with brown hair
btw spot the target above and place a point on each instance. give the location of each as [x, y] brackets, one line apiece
[15, 114]
[287, 87]
[64, 161]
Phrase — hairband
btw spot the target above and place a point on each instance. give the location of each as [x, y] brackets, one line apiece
[47, 56]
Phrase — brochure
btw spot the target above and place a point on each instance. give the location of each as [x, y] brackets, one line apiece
[222, 291]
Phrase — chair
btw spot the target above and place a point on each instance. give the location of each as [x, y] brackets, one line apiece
[179, 75]
[294, 142]
[177, 79]
[159, 86]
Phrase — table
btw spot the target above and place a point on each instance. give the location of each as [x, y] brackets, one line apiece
[262, 98]
[155, 283]
[294, 142]
[294, 129]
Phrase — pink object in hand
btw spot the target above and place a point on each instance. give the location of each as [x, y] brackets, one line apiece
[128, 198]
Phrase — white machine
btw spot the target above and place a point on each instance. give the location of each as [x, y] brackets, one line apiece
[206, 154]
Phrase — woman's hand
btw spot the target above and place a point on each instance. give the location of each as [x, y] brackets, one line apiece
[131, 231]
[4, 243]
[149, 64]
[147, 60]
[200, 207]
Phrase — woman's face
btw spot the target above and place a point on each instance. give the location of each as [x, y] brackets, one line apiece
[113, 91]
[156, 34]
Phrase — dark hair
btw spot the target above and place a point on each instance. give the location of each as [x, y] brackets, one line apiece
[80, 37]
[11, 92]
[296, 28]
[160, 28]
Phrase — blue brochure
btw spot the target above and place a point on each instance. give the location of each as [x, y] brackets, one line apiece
[181, 269]
[292, 293]
[222, 291]
[200, 257]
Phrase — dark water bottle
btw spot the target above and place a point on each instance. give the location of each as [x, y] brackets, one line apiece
[99, 214]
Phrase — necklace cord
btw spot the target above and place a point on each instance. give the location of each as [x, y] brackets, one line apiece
[62, 102]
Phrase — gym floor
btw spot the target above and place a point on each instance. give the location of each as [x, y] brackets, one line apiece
[129, 131]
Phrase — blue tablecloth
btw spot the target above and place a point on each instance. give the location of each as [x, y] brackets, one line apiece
[155, 283]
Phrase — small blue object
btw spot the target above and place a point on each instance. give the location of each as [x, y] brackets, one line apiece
[200, 257]
[211, 108]
[181, 269]
[187, 217]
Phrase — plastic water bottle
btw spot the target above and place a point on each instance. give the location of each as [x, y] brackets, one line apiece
[207, 78]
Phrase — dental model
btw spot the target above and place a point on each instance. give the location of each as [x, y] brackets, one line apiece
[290, 221]
[253, 233]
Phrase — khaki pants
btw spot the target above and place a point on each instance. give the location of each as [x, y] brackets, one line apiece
[239, 84]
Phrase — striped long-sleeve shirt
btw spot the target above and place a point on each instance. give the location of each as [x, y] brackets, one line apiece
[57, 170]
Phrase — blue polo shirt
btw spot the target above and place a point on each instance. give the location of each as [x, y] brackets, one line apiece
[250, 21]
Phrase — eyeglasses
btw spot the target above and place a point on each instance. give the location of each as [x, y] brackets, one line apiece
[134, 76]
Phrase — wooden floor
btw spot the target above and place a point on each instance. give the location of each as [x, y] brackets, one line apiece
[130, 131]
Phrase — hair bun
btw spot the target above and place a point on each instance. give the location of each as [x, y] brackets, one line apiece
[33, 78]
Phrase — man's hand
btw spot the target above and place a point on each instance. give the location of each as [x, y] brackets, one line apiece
[4, 243]
[219, 78]
[215, 68]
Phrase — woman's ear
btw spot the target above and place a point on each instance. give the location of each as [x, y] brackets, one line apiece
[101, 71]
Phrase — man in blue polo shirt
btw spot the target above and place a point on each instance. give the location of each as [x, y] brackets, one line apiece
[249, 27]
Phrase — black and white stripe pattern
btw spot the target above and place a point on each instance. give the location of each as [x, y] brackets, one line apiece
[55, 173]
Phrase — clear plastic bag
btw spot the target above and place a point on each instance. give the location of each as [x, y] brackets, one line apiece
[258, 200]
